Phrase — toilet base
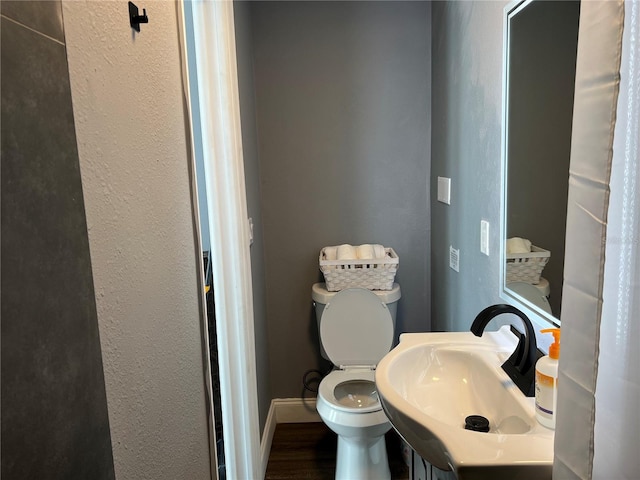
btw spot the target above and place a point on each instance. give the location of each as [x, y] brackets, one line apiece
[362, 452]
[362, 458]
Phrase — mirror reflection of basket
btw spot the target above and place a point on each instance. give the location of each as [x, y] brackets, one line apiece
[527, 267]
[372, 274]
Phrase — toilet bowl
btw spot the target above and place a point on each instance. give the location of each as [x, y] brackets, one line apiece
[356, 329]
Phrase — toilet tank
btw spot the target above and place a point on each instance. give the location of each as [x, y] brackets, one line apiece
[321, 296]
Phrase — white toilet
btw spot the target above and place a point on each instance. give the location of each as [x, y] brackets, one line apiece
[356, 329]
[536, 294]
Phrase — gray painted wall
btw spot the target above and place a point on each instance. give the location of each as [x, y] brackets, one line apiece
[54, 405]
[467, 105]
[244, 53]
[343, 122]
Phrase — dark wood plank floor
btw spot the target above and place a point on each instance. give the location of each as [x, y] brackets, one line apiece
[308, 451]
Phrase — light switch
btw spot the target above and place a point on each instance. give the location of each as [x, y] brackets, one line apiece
[444, 190]
[484, 237]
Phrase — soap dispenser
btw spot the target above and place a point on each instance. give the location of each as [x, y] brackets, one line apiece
[547, 382]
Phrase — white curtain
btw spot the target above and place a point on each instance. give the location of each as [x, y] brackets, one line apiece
[617, 419]
[599, 379]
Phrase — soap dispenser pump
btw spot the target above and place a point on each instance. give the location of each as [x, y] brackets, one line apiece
[547, 382]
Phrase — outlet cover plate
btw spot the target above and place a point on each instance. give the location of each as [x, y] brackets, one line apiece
[454, 258]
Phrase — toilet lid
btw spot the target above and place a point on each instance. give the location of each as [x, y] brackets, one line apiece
[356, 328]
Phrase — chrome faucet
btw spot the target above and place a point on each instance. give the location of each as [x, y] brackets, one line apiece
[520, 366]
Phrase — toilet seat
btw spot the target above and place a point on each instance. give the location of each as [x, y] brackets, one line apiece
[356, 328]
[356, 331]
[327, 389]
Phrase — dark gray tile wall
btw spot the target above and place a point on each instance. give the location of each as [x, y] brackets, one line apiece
[54, 412]
[42, 16]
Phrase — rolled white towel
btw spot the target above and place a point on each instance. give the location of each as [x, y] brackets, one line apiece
[378, 251]
[346, 252]
[518, 245]
[331, 253]
[365, 252]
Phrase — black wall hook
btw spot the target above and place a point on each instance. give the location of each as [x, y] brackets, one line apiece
[134, 19]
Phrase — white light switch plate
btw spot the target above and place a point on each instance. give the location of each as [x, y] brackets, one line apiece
[484, 237]
[444, 190]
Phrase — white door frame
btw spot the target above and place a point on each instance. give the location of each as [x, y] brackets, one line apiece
[217, 99]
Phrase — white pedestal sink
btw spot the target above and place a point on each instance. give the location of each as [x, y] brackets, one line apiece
[431, 382]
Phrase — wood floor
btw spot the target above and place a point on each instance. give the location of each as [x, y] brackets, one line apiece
[308, 451]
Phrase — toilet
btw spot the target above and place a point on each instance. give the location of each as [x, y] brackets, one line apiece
[356, 328]
[536, 294]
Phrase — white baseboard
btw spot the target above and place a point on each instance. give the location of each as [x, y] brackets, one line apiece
[295, 410]
[285, 410]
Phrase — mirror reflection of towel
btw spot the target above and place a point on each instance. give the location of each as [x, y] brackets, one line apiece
[518, 245]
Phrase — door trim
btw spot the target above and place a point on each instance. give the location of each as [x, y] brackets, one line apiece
[217, 99]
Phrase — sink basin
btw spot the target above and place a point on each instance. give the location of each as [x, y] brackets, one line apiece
[431, 382]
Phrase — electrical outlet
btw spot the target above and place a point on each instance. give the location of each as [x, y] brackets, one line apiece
[250, 231]
[454, 258]
[484, 237]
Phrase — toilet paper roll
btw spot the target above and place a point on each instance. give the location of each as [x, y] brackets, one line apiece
[365, 252]
[330, 253]
[346, 252]
[378, 251]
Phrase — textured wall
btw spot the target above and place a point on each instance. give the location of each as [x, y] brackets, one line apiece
[467, 103]
[242, 16]
[343, 118]
[54, 407]
[130, 125]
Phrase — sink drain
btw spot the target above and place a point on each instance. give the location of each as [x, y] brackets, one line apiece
[476, 423]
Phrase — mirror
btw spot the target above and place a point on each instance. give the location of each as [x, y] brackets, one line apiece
[541, 39]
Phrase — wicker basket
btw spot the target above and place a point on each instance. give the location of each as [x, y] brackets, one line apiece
[527, 267]
[375, 274]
